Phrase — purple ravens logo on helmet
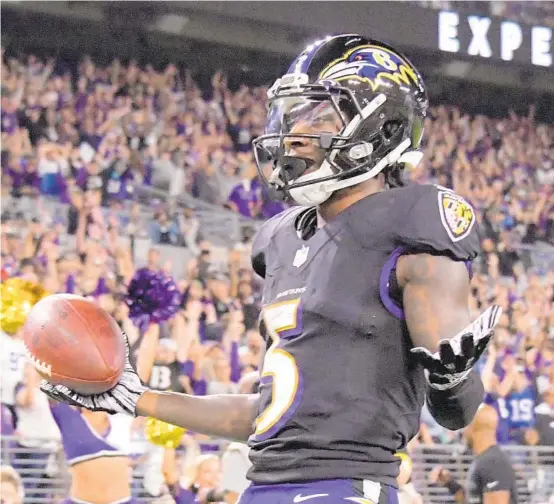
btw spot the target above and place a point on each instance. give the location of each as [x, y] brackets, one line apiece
[373, 64]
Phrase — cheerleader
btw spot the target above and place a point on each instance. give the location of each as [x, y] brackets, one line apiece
[100, 468]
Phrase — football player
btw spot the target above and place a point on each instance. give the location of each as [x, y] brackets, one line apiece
[365, 302]
[491, 478]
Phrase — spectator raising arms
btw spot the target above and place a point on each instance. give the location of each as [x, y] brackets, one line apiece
[82, 146]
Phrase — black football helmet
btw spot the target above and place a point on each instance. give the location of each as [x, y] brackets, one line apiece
[363, 105]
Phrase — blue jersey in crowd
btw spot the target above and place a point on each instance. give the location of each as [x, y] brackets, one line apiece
[519, 408]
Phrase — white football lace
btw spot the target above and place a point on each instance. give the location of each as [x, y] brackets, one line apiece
[40, 366]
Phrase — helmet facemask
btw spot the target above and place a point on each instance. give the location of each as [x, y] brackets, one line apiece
[350, 140]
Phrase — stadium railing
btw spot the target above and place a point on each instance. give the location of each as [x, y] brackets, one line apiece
[45, 472]
[219, 225]
[222, 227]
[534, 467]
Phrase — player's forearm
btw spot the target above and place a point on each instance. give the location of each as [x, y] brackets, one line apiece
[454, 408]
[229, 416]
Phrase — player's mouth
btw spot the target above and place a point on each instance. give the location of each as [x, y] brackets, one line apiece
[296, 166]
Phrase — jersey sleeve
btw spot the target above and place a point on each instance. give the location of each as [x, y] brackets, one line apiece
[263, 239]
[496, 476]
[441, 222]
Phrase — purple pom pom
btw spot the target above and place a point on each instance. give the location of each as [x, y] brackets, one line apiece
[152, 297]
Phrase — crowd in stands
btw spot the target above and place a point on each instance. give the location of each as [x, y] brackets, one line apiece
[89, 137]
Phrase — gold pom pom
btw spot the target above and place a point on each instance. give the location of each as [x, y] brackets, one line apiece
[162, 433]
[17, 297]
[405, 459]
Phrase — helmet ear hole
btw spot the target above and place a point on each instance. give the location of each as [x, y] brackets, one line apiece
[390, 128]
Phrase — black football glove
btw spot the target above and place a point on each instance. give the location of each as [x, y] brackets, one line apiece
[122, 398]
[455, 359]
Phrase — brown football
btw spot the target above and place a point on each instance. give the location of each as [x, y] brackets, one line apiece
[72, 341]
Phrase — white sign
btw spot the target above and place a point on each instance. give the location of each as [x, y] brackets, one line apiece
[509, 38]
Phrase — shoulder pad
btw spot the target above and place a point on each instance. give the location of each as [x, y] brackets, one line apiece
[265, 234]
[440, 221]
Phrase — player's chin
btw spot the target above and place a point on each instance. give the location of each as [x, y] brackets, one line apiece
[314, 165]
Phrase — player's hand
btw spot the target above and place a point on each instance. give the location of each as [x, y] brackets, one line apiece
[122, 398]
[454, 360]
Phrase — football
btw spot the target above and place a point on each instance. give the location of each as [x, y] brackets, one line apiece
[72, 341]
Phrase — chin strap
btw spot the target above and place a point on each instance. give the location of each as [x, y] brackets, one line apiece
[391, 158]
[411, 158]
[306, 223]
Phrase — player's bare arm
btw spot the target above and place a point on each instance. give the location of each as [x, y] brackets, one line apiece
[448, 344]
[232, 415]
[435, 297]
[229, 416]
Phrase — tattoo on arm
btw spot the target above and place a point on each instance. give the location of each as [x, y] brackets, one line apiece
[435, 297]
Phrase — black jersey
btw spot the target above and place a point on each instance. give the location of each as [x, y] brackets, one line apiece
[165, 376]
[340, 394]
[491, 471]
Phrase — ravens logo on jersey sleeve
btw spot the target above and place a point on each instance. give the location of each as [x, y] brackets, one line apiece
[457, 215]
[438, 221]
